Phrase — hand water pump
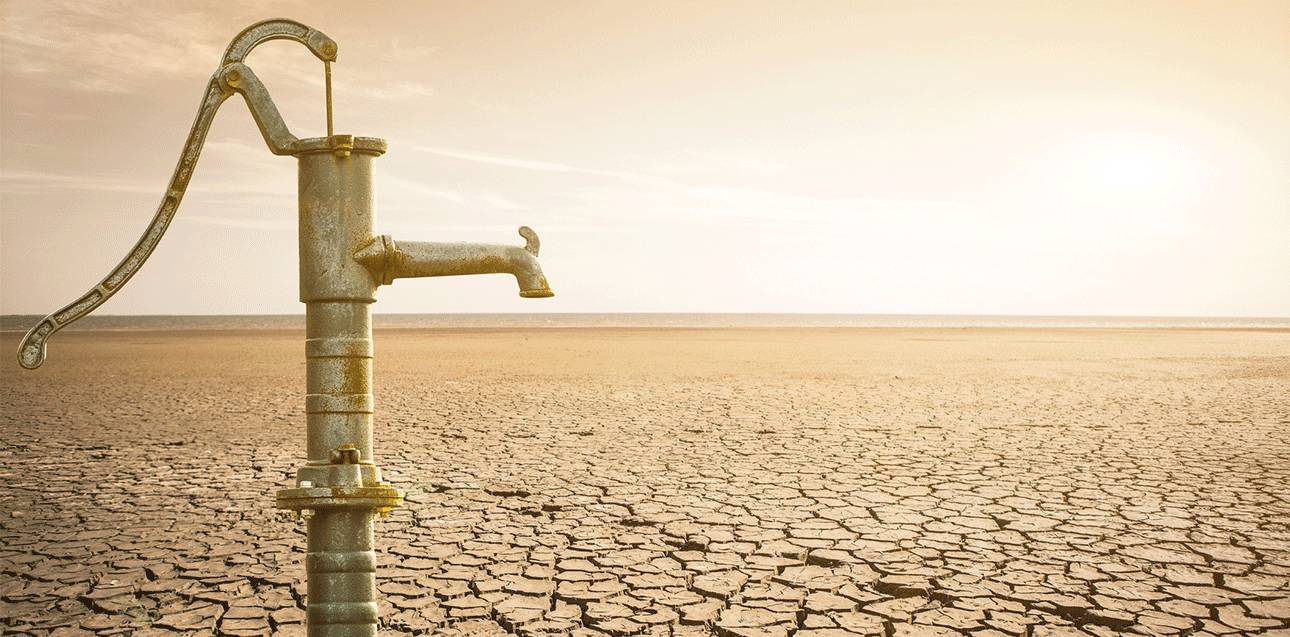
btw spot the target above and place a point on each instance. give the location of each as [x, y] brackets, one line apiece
[342, 262]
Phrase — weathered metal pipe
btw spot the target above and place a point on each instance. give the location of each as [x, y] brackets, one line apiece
[339, 489]
[387, 260]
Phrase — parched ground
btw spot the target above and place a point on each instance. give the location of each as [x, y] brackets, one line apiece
[816, 483]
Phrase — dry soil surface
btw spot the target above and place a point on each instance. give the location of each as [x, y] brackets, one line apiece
[814, 482]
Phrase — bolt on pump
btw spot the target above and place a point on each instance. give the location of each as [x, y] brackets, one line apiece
[343, 261]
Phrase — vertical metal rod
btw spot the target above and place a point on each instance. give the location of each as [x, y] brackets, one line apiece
[327, 73]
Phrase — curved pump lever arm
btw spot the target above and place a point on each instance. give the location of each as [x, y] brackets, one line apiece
[233, 76]
[239, 78]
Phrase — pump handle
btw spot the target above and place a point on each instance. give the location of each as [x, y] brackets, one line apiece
[232, 77]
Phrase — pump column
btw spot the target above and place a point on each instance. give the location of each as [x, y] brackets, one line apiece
[339, 490]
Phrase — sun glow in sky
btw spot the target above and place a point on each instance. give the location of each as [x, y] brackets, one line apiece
[1121, 164]
[883, 157]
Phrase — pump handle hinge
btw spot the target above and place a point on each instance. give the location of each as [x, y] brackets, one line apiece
[233, 76]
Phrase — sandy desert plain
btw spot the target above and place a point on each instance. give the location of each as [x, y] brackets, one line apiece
[733, 482]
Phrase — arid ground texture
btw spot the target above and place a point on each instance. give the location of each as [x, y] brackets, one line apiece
[733, 482]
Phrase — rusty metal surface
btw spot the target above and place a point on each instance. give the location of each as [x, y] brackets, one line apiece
[323, 47]
[239, 78]
[388, 259]
[339, 490]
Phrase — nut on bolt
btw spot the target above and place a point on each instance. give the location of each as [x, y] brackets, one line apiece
[341, 145]
[345, 454]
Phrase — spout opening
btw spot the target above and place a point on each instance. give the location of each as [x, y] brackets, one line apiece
[541, 293]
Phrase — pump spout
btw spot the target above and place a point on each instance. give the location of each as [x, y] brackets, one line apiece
[388, 260]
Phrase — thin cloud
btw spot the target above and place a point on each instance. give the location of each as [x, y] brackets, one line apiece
[400, 185]
[396, 91]
[717, 201]
[239, 223]
[305, 73]
[206, 189]
[498, 201]
[497, 160]
[115, 47]
[106, 47]
[32, 181]
[546, 166]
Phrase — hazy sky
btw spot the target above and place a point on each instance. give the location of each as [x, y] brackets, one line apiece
[889, 157]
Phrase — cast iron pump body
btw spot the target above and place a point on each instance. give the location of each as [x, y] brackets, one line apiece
[342, 261]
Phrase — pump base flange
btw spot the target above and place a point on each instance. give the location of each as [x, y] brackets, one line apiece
[381, 498]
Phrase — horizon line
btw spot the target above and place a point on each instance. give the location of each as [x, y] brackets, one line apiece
[703, 313]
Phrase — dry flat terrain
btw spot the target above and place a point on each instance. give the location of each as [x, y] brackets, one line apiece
[814, 482]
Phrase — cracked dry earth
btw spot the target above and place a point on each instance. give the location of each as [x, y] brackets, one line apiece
[741, 483]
